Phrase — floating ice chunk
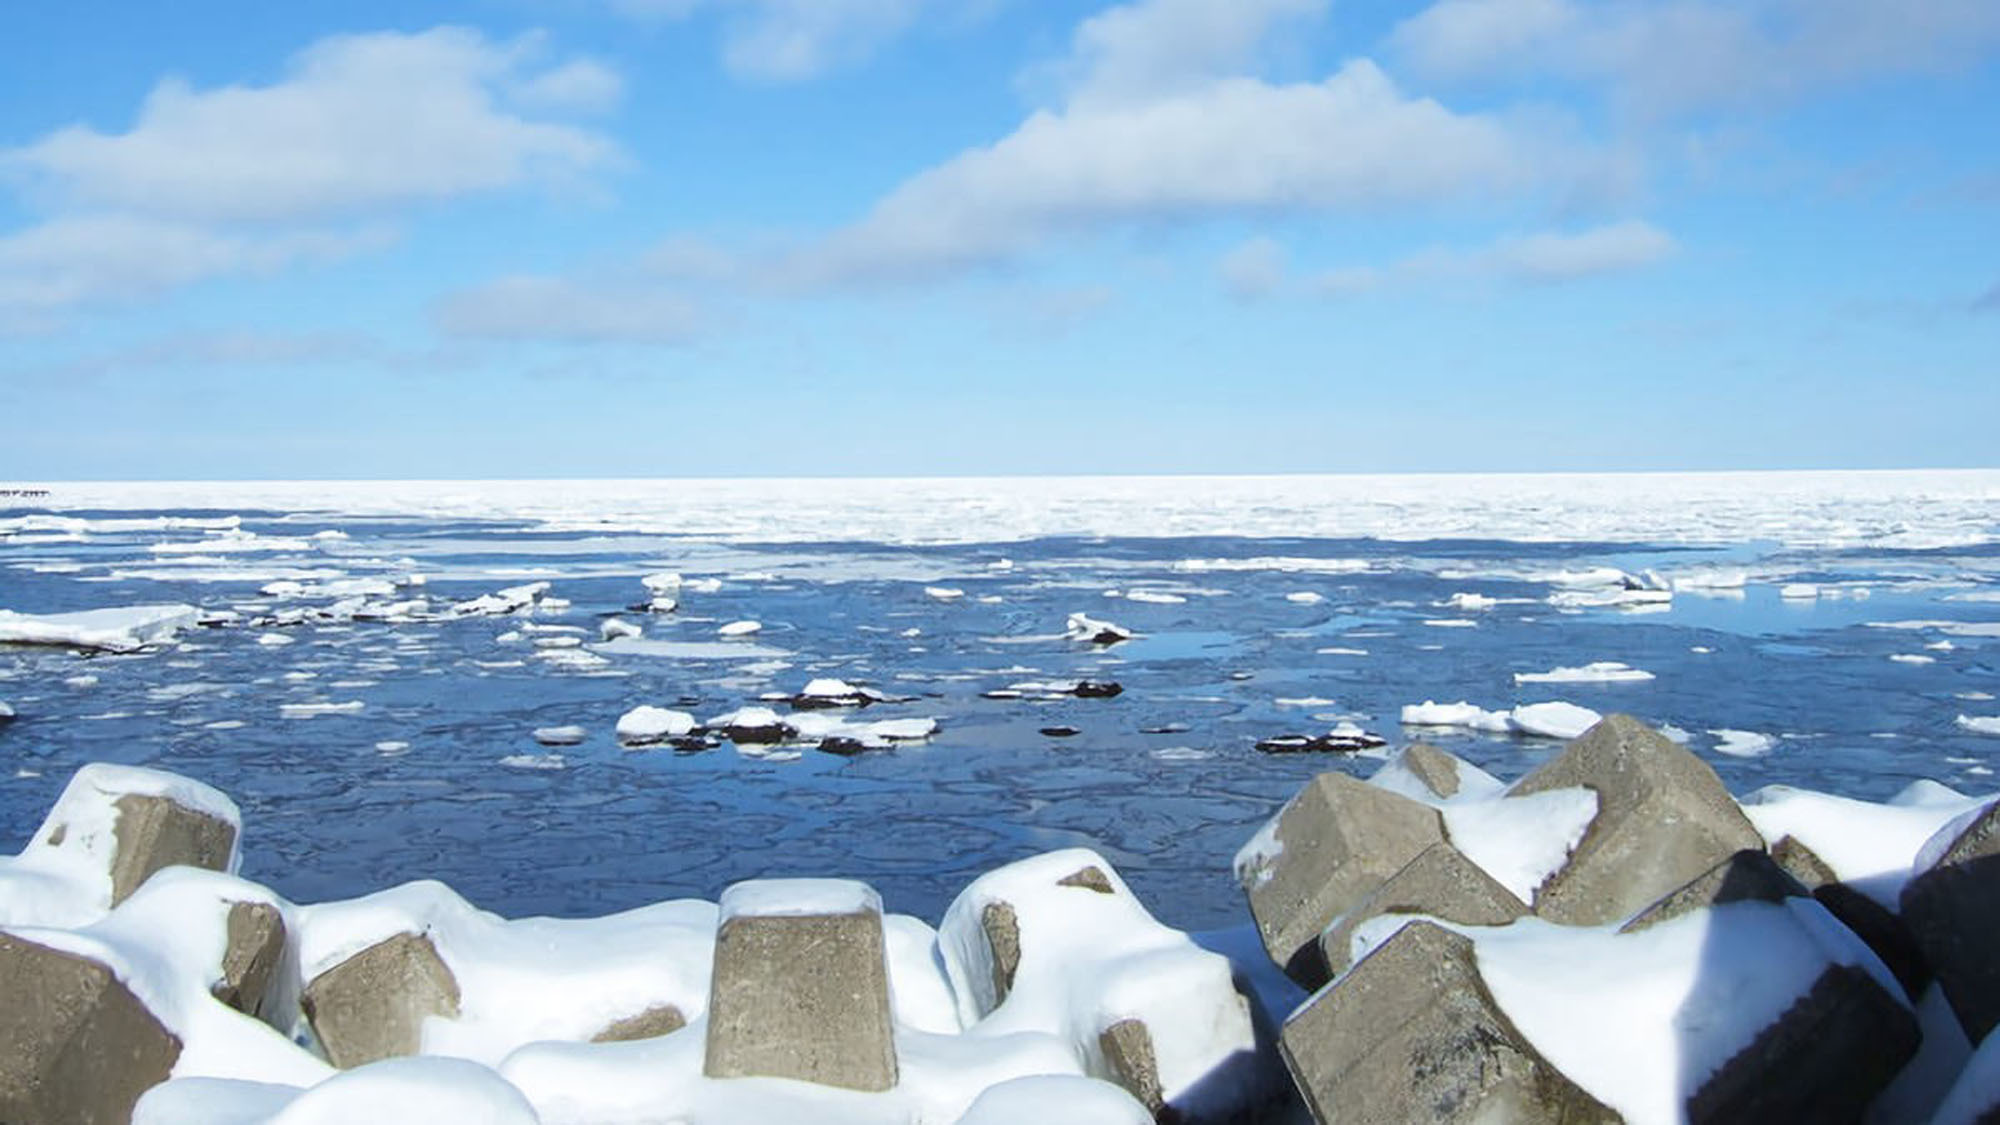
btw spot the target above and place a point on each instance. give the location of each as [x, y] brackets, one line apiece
[1798, 591]
[614, 628]
[1742, 743]
[665, 582]
[1465, 600]
[315, 710]
[1451, 623]
[944, 593]
[392, 746]
[6, 711]
[1083, 627]
[1616, 598]
[559, 736]
[1461, 714]
[826, 687]
[651, 724]
[740, 629]
[1722, 578]
[703, 585]
[1553, 720]
[232, 541]
[1337, 651]
[1305, 597]
[1597, 672]
[510, 600]
[1980, 724]
[534, 762]
[123, 629]
[1154, 597]
[273, 639]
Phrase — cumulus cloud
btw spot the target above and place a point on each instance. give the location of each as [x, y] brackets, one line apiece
[359, 123]
[248, 179]
[1672, 56]
[1156, 47]
[1353, 141]
[547, 308]
[791, 40]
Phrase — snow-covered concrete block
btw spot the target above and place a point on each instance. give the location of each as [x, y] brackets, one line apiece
[1663, 818]
[252, 960]
[526, 980]
[1747, 876]
[1952, 907]
[1440, 773]
[1439, 883]
[112, 828]
[1823, 1059]
[373, 1004]
[1333, 843]
[1411, 1033]
[1058, 945]
[75, 1044]
[1883, 929]
[800, 987]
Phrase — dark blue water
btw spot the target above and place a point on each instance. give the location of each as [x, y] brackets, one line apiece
[1164, 779]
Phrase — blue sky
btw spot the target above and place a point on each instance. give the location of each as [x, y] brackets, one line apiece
[902, 237]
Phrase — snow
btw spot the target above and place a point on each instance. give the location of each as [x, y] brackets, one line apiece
[1868, 845]
[1055, 1099]
[647, 723]
[740, 629]
[409, 1090]
[1742, 743]
[1520, 841]
[1255, 858]
[826, 687]
[1597, 672]
[1087, 961]
[1474, 784]
[1429, 714]
[1972, 1098]
[122, 629]
[1642, 1020]
[787, 898]
[1980, 724]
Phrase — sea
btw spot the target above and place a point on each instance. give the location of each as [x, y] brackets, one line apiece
[1836, 631]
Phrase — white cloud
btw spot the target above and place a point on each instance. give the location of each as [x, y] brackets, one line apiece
[360, 122]
[69, 261]
[1254, 269]
[546, 308]
[791, 40]
[1671, 56]
[252, 179]
[579, 85]
[1565, 257]
[1546, 257]
[1154, 47]
[1353, 142]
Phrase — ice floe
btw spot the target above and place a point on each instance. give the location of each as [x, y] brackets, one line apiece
[122, 629]
[1597, 672]
[1743, 743]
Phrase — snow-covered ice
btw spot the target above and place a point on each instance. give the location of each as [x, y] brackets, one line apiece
[123, 629]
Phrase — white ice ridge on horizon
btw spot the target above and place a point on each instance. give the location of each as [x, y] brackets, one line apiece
[1831, 509]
